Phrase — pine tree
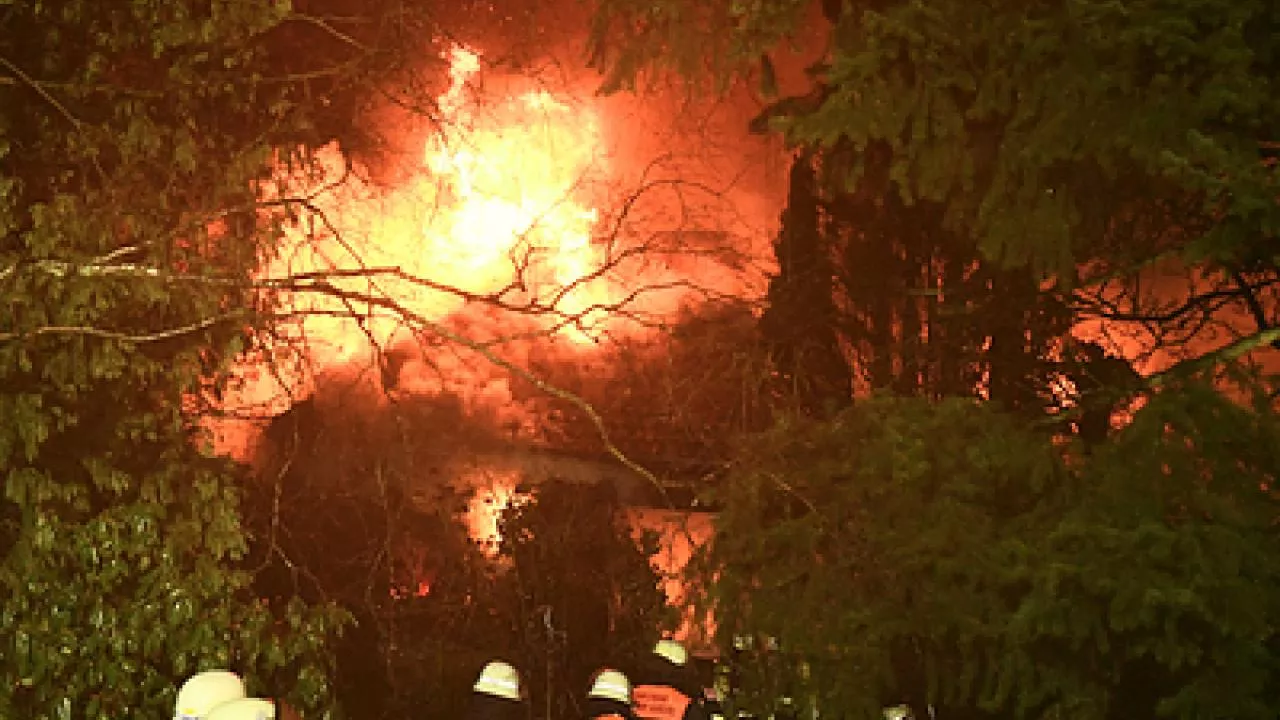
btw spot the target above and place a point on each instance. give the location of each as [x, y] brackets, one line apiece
[800, 323]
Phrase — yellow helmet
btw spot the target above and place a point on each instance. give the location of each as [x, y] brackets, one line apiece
[203, 691]
[499, 679]
[611, 685]
[673, 651]
[244, 709]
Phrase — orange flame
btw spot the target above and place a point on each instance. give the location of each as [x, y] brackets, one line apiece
[501, 205]
[519, 185]
[496, 217]
[494, 492]
[495, 232]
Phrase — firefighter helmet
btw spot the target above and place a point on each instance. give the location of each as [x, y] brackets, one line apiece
[244, 709]
[203, 691]
[672, 651]
[898, 712]
[499, 679]
[611, 685]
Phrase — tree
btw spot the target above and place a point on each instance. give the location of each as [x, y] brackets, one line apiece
[1103, 148]
[132, 138]
[943, 553]
[673, 400]
[1046, 140]
[903, 303]
[871, 548]
[800, 321]
[1155, 595]
[578, 592]
[142, 148]
[354, 506]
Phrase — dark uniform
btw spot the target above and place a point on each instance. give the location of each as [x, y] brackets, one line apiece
[666, 688]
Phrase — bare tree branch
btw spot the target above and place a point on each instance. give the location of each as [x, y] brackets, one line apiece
[39, 88]
[484, 350]
[331, 30]
[139, 338]
[1227, 353]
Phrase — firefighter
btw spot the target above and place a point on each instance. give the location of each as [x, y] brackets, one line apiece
[666, 687]
[609, 697]
[498, 693]
[244, 709]
[204, 691]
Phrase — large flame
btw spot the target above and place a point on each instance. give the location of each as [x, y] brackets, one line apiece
[489, 236]
[520, 186]
[498, 232]
[500, 210]
[525, 212]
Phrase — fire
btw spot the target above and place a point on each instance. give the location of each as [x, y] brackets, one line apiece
[494, 491]
[518, 187]
[501, 208]
[512, 221]
[680, 534]
[491, 236]
[515, 219]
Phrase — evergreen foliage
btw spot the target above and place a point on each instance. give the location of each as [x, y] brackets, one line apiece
[953, 558]
[879, 292]
[1034, 125]
[991, 177]
[800, 322]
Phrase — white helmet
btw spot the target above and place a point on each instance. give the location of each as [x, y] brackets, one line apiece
[203, 691]
[897, 712]
[499, 679]
[244, 709]
[673, 651]
[611, 685]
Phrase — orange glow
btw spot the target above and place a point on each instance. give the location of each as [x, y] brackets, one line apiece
[510, 223]
[520, 185]
[494, 491]
[502, 201]
[518, 216]
[680, 535]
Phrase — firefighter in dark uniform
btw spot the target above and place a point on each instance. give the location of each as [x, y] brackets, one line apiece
[666, 687]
